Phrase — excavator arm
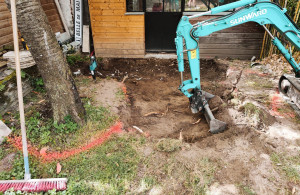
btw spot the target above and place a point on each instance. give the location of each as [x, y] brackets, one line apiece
[187, 40]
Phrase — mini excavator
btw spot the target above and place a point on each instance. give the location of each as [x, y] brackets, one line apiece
[262, 12]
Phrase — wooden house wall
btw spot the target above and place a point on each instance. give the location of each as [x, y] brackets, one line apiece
[118, 35]
[114, 33]
[242, 41]
[6, 37]
[51, 11]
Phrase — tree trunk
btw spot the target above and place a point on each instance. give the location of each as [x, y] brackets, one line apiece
[60, 86]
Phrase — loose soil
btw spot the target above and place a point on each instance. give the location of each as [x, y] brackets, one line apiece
[243, 153]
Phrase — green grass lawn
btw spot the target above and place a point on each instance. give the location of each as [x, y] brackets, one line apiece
[106, 169]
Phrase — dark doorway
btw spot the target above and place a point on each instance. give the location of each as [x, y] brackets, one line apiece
[161, 20]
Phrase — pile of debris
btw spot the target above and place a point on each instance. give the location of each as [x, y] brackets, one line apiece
[278, 64]
[26, 59]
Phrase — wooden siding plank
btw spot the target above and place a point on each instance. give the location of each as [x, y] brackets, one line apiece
[120, 56]
[235, 35]
[5, 31]
[120, 34]
[250, 46]
[121, 51]
[49, 6]
[5, 15]
[51, 11]
[210, 40]
[6, 39]
[46, 1]
[3, 7]
[53, 18]
[5, 23]
[118, 18]
[228, 51]
[114, 5]
[138, 46]
[234, 56]
[133, 24]
[117, 30]
[118, 40]
[104, 1]
[108, 12]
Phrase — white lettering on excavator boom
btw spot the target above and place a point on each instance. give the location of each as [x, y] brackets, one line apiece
[248, 17]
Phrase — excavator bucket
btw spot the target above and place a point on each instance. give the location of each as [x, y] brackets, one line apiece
[217, 126]
[199, 102]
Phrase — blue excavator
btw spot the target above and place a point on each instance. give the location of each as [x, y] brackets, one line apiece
[262, 12]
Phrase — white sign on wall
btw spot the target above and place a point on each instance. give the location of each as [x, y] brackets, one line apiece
[78, 20]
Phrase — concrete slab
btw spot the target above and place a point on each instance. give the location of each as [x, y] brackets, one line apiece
[4, 131]
[161, 55]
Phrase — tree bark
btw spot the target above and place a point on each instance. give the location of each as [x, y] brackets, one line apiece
[57, 76]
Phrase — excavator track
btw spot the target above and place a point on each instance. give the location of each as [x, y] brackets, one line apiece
[289, 85]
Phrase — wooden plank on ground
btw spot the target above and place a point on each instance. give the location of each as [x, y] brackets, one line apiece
[86, 39]
[3, 63]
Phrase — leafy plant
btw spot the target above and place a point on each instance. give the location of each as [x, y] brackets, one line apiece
[2, 87]
[69, 126]
[37, 83]
[43, 132]
[23, 74]
[73, 59]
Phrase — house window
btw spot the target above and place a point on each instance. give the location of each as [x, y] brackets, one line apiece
[204, 5]
[134, 5]
[163, 5]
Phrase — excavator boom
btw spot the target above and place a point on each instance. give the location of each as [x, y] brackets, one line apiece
[187, 40]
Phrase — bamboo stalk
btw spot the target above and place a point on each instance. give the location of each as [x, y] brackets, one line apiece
[264, 43]
[297, 12]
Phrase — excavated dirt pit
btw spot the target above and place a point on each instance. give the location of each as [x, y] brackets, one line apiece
[156, 104]
[259, 126]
